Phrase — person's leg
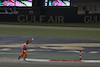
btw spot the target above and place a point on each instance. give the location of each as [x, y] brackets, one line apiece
[25, 55]
[22, 54]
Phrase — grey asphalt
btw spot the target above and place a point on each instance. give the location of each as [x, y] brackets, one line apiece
[17, 63]
[11, 39]
[8, 39]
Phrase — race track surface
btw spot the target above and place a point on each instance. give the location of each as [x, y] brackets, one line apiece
[17, 63]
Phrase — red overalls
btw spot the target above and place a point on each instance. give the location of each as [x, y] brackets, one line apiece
[24, 50]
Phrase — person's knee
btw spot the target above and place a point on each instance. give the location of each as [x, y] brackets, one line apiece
[25, 54]
[22, 54]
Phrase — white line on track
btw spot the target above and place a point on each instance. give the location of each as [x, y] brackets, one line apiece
[43, 60]
[94, 61]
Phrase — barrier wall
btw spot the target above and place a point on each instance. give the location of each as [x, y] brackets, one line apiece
[51, 19]
[50, 15]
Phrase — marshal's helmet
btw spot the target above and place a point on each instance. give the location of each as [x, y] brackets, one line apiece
[27, 42]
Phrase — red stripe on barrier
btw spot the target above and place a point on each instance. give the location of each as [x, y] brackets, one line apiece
[67, 60]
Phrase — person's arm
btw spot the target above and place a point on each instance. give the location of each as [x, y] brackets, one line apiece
[30, 41]
[24, 47]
